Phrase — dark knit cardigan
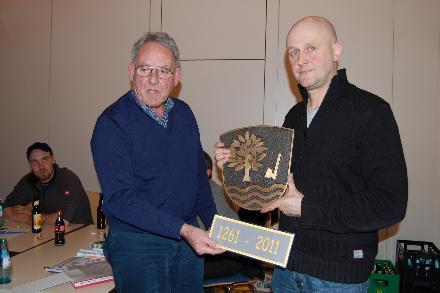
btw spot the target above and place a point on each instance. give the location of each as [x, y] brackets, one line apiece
[154, 178]
[350, 166]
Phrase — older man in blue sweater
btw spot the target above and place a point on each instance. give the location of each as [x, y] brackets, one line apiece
[148, 157]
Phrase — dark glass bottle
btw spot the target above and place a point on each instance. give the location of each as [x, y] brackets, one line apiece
[100, 216]
[36, 215]
[5, 262]
[60, 228]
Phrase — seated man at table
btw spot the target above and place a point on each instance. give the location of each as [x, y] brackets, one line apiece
[58, 189]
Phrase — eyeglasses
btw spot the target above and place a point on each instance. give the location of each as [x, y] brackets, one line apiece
[145, 71]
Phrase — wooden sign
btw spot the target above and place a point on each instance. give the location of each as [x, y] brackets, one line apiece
[268, 245]
[256, 174]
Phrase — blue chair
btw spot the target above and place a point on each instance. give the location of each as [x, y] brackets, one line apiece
[229, 283]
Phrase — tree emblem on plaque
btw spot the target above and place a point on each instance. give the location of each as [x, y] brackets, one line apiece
[248, 152]
[257, 171]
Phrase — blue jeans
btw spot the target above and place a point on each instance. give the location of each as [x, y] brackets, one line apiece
[286, 281]
[145, 262]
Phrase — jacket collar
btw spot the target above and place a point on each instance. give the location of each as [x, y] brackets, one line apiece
[337, 86]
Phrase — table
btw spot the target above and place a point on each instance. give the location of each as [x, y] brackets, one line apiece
[29, 265]
[18, 243]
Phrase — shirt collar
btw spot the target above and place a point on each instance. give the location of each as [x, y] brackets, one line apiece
[161, 121]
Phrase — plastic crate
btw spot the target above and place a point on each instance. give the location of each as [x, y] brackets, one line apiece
[384, 278]
[418, 263]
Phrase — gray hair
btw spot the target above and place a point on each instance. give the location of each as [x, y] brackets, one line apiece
[159, 37]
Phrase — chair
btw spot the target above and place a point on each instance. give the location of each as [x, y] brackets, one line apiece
[231, 282]
[94, 201]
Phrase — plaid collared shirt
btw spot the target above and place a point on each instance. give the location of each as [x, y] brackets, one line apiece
[168, 106]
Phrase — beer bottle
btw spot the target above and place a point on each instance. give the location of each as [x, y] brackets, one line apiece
[36, 215]
[5, 262]
[59, 229]
[100, 216]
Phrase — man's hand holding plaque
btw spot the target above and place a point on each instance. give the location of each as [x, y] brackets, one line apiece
[256, 162]
[290, 203]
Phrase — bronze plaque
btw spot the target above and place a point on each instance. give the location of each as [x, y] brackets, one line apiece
[256, 174]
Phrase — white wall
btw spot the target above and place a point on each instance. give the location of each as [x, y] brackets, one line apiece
[24, 83]
[416, 86]
[63, 62]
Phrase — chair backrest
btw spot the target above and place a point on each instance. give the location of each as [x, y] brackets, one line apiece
[94, 201]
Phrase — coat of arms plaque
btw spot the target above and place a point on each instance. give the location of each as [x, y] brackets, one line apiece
[256, 174]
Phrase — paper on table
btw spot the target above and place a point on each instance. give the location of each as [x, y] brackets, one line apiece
[84, 271]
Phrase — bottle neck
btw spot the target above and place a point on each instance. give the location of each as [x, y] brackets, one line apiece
[3, 242]
[36, 200]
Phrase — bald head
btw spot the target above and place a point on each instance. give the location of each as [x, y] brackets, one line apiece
[313, 52]
[322, 24]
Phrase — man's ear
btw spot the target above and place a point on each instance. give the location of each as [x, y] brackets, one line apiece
[131, 71]
[337, 50]
[177, 75]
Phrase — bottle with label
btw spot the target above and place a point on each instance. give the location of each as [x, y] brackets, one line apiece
[5, 263]
[100, 216]
[60, 228]
[36, 215]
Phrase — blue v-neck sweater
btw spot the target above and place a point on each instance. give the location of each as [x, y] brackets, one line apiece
[153, 178]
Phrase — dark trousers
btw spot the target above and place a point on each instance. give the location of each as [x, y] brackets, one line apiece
[144, 262]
